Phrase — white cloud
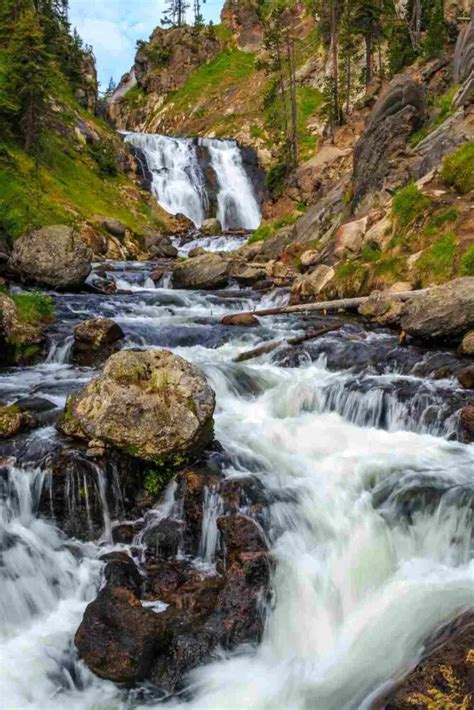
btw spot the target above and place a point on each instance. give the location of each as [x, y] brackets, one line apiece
[113, 27]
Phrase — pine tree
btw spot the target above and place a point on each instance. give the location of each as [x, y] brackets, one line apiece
[367, 23]
[175, 13]
[436, 31]
[348, 50]
[29, 79]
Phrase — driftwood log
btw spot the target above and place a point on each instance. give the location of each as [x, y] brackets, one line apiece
[342, 304]
[274, 344]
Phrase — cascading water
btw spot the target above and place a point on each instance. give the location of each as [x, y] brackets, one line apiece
[181, 184]
[361, 578]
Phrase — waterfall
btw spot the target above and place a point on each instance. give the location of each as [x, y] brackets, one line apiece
[199, 178]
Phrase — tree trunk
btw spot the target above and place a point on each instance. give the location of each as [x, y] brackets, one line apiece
[274, 344]
[334, 42]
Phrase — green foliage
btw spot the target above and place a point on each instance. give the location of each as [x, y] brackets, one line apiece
[467, 262]
[34, 307]
[437, 262]
[439, 219]
[154, 482]
[408, 204]
[275, 178]
[400, 49]
[104, 154]
[134, 96]
[270, 228]
[370, 254]
[458, 168]
[436, 31]
[157, 54]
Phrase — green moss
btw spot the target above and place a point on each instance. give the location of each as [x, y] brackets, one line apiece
[409, 204]
[467, 262]
[458, 168]
[270, 228]
[437, 262]
[346, 270]
[34, 307]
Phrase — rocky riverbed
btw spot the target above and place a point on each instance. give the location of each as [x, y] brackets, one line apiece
[304, 552]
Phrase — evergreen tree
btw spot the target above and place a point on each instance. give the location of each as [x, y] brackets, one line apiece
[28, 79]
[349, 53]
[175, 13]
[367, 23]
[436, 31]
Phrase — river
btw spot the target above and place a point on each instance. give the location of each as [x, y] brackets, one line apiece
[341, 432]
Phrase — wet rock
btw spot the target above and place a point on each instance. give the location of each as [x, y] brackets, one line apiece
[467, 345]
[118, 638]
[206, 272]
[467, 422]
[56, 256]
[242, 319]
[123, 534]
[466, 377]
[443, 313]
[152, 404]
[241, 534]
[192, 485]
[444, 678]
[164, 538]
[95, 340]
[40, 411]
[121, 571]
[159, 246]
[398, 112]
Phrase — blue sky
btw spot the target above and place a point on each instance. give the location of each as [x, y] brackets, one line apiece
[112, 27]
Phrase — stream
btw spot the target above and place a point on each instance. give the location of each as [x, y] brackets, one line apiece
[346, 434]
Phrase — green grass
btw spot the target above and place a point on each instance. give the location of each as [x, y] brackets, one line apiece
[409, 204]
[309, 101]
[229, 67]
[134, 96]
[458, 168]
[270, 228]
[34, 307]
[437, 262]
[439, 219]
[467, 262]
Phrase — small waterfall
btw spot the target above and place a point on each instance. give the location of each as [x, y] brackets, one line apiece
[60, 351]
[187, 176]
[212, 509]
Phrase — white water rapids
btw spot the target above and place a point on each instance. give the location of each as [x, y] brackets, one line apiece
[357, 586]
[180, 184]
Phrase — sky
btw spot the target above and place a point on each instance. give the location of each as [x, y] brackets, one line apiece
[112, 27]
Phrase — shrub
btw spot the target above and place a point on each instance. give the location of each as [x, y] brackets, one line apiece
[458, 168]
[103, 152]
[408, 204]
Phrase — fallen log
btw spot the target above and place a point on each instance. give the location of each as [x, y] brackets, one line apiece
[342, 304]
[274, 344]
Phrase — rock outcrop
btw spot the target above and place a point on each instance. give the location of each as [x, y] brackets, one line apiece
[95, 340]
[397, 113]
[20, 341]
[443, 313]
[55, 257]
[152, 404]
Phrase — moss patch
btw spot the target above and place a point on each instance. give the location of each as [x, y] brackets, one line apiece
[458, 169]
[409, 204]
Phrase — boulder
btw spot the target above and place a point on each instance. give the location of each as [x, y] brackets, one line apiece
[444, 678]
[443, 313]
[349, 238]
[398, 112]
[114, 227]
[310, 285]
[247, 320]
[379, 234]
[164, 538]
[10, 421]
[241, 533]
[248, 274]
[207, 272]
[20, 341]
[57, 257]
[95, 340]
[152, 404]
[467, 422]
[466, 377]
[467, 345]
[211, 227]
[118, 638]
[381, 309]
[309, 257]
[196, 251]
[159, 246]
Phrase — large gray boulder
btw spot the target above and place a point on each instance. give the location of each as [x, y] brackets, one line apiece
[442, 313]
[55, 256]
[152, 404]
[208, 271]
[398, 112]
